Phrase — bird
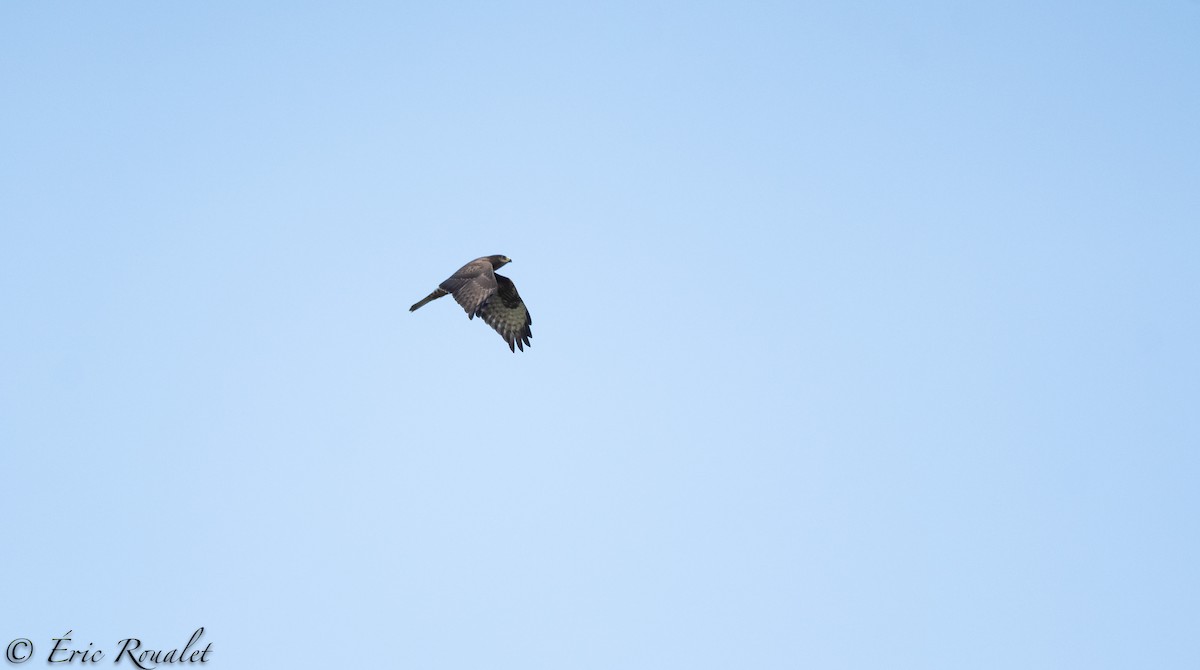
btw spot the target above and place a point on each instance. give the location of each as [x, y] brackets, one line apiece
[490, 296]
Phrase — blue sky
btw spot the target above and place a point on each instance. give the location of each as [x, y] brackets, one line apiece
[864, 333]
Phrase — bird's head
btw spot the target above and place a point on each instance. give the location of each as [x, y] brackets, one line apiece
[499, 261]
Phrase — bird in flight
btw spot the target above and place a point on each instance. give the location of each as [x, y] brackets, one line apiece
[490, 296]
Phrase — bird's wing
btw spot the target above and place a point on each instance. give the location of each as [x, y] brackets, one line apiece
[472, 285]
[505, 312]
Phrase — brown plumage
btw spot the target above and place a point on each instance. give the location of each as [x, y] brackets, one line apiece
[490, 296]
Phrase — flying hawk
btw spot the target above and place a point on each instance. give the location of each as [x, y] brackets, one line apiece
[490, 296]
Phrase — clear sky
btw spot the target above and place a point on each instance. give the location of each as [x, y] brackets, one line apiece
[864, 334]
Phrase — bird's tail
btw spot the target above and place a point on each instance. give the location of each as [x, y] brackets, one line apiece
[437, 293]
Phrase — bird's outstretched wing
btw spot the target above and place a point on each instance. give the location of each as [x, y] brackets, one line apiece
[505, 312]
[472, 285]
